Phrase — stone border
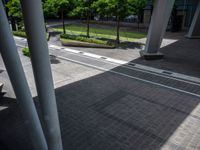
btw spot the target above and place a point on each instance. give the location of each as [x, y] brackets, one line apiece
[85, 44]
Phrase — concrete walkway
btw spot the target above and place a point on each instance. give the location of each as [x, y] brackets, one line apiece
[181, 54]
[102, 107]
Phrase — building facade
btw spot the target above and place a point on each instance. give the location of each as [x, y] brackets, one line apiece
[183, 10]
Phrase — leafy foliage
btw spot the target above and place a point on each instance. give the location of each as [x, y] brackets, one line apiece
[19, 33]
[136, 6]
[85, 39]
[26, 52]
[101, 8]
[116, 8]
[87, 9]
[14, 11]
[84, 8]
[49, 8]
[106, 33]
[58, 8]
[54, 8]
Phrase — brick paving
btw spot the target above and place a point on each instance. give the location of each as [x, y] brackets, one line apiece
[126, 114]
[181, 56]
[105, 111]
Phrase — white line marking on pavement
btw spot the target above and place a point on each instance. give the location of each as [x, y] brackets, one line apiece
[142, 68]
[174, 74]
[162, 75]
[136, 78]
[138, 67]
[92, 55]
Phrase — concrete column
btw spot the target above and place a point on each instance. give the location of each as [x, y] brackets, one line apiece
[36, 36]
[194, 31]
[159, 21]
[15, 71]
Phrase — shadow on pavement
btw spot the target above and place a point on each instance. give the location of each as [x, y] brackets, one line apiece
[112, 112]
[181, 57]
[13, 132]
[109, 112]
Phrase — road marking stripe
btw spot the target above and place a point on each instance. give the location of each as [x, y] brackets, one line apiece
[92, 55]
[136, 78]
[122, 74]
[162, 75]
[136, 68]
[142, 68]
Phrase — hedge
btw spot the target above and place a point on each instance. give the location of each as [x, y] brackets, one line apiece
[82, 38]
[19, 33]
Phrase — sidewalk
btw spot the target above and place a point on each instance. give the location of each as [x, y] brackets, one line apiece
[109, 110]
[181, 55]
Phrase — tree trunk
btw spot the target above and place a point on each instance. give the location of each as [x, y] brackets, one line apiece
[118, 27]
[13, 24]
[88, 24]
[63, 21]
[138, 22]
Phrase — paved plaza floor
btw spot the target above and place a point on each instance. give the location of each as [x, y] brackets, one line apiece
[113, 107]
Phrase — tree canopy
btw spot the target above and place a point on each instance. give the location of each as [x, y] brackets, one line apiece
[136, 6]
[87, 9]
[14, 9]
[54, 8]
[15, 14]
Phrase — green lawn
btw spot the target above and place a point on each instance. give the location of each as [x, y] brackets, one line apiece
[102, 33]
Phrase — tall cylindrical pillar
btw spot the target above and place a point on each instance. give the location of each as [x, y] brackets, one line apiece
[36, 36]
[194, 31]
[159, 20]
[15, 71]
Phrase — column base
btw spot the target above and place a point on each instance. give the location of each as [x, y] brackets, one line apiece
[151, 56]
[192, 37]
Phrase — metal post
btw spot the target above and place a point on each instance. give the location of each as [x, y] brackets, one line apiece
[36, 36]
[194, 31]
[160, 17]
[15, 71]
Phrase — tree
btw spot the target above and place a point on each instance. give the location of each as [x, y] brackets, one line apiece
[136, 8]
[119, 9]
[84, 8]
[61, 8]
[49, 9]
[14, 12]
[101, 8]
[113, 8]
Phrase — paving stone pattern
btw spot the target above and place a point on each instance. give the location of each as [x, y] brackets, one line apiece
[112, 112]
[106, 111]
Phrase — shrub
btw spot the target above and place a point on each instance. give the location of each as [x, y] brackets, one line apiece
[19, 33]
[83, 38]
[26, 52]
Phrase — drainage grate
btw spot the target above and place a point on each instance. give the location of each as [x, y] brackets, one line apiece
[81, 52]
[131, 64]
[167, 72]
[189, 87]
[103, 58]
